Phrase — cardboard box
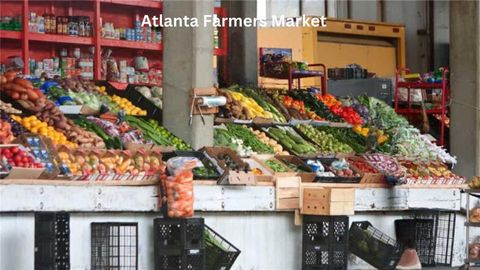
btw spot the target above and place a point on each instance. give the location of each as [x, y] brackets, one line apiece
[287, 193]
[267, 176]
[25, 173]
[327, 201]
[263, 158]
[367, 178]
[307, 177]
[229, 177]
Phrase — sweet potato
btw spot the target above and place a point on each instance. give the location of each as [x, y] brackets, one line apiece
[32, 95]
[23, 83]
[10, 76]
[18, 88]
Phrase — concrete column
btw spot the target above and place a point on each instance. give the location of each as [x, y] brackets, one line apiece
[243, 55]
[465, 85]
[188, 54]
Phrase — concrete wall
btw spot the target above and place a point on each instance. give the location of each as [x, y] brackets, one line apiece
[268, 241]
[465, 85]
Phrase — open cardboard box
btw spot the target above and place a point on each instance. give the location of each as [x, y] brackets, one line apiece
[267, 176]
[263, 158]
[229, 177]
[307, 177]
[25, 173]
[367, 178]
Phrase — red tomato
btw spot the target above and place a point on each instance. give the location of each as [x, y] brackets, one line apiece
[14, 150]
[17, 158]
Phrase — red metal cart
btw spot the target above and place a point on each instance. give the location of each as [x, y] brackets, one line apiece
[441, 110]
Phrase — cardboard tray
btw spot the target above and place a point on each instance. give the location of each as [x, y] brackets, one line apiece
[367, 178]
[267, 175]
[25, 173]
[306, 177]
[263, 158]
[229, 177]
[336, 179]
[206, 161]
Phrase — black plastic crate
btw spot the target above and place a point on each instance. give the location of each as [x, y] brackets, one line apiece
[114, 246]
[186, 260]
[52, 241]
[325, 242]
[418, 234]
[177, 234]
[373, 246]
[219, 258]
[443, 234]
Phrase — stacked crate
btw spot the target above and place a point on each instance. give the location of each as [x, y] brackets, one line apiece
[52, 241]
[179, 244]
[325, 242]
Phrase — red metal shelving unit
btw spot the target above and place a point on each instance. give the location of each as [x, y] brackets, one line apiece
[53, 38]
[10, 34]
[293, 75]
[130, 44]
[96, 40]
[442, 110]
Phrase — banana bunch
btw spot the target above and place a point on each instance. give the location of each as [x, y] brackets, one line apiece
[252, 107]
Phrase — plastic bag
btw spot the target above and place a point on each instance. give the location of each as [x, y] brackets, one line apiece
[179, 187]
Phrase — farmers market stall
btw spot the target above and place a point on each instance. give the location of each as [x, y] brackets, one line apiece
[86, 147]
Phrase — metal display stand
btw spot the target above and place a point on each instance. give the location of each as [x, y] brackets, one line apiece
[441, 110]
[470, 263]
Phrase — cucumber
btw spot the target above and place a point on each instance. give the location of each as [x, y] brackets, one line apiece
[277, 132]
[295, 138]
[286, 143]
[298, 148]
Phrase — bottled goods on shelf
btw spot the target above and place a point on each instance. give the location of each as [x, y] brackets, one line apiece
[138, 33]
[61, 25]
[12, 23]
[64, 66]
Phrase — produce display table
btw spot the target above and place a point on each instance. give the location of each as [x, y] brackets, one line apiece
[38, 195]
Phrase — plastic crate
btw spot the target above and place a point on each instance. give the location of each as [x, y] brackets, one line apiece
[114, 246]
[219, 258]
[417, 234]
[177, 234]
[186, 260]
[52, 241]
[373, 246]
[443, 235]
[325, 242]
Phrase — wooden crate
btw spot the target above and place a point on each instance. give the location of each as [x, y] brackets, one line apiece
[287, 192]
[327, 201]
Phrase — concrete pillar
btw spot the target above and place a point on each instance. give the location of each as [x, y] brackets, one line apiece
[243, 55]
[187, 56]
[465, 85]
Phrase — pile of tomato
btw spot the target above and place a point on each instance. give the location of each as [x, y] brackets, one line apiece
[347, 113]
